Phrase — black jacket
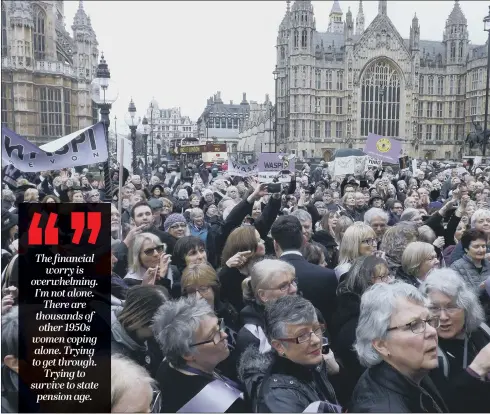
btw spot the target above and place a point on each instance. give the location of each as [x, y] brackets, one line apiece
[382, 389]
[278, 385]
[325, 239]
[231, 279]
[317, 284]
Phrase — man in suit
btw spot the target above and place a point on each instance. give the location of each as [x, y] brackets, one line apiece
[317, 283]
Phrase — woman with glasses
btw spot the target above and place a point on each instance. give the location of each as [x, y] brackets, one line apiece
[396, 340]
[464, 343]
[418, 260]
[131, 333]
[293, 375]
[359, 240]
[150, 265]
[200, 280]
[194, 342]
[364, 272]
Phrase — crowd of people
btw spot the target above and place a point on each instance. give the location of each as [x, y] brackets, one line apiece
[326, 294]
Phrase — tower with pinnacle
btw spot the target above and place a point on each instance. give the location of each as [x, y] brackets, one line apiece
[455, 37]
[335, 23]
[360, 20]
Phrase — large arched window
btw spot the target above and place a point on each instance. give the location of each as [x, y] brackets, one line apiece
[304, 39]
[380, 100]
[39, 33]
[4, 30]
[296, 38]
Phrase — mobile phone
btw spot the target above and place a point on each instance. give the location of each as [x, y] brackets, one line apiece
[325, 346]
[274, 187]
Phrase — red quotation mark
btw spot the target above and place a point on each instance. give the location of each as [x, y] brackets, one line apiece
[35, 232]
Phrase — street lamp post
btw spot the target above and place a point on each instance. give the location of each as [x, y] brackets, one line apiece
[132, 120]
[104, 94]
[486, 27]
[382, 94]
[275, 73]
[146, 131]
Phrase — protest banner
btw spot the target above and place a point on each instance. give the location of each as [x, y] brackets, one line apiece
[241, 170]
[83, 147]
[125, 153]
[383, 148]
[271, 164]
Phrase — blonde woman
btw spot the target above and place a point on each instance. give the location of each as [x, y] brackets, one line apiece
[418, 259]
[31, 195]
[359, 240]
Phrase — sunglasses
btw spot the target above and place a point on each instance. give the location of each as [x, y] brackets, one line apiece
[151, 251]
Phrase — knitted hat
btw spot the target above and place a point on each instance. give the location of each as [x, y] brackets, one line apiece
[172, 219]
[155, 203]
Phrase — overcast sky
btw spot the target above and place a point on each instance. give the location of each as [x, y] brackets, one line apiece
[182, 52]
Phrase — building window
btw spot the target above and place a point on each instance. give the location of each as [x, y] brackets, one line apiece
[338, 129]
[456, 133]
[217, 123]
[473, 106]
[51, 114]
[480, 78]
[429, 109]
[295, 133]
[4, 100]
[303, 76]
[318, 105]
[453, 51]
[340, 80]
[419, 131]
[295, 103]
[303, 128]
[223, 124]
[295, 72]
[440, 110]
[328, 105]
[474, 80]
[431, 85]
[328, 80]
[449, 132]
[380, 75]
[421, 84]
[283, 53]
[428, 132]
[38, 32]
[451, 85]
[339, 106]
[4, 32]
[317, 129]
[450, 110]
[304, 39]
[328, 129]
[318, 77]
[421, 109]
[229, 123]
[296, 38]
[67, 110]
[460, 85]
[440, 85]
[438, 132]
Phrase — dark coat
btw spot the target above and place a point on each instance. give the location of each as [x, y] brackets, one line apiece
[278, 385]
[317, 284]
[231, 280]
[382, 389]
[325, 239]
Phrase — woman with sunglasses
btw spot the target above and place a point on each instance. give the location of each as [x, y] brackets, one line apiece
[293, 375]
[150, 265]
[193, 341]
[396, 340]
[200, 280]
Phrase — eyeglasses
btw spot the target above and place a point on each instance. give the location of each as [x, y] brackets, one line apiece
[385, 278]
[370, 241]
[216, 336]
[418, 326]
[319, 331]
[201, 289]
[450, 310]
[284, 287]
[151, 251]
[178, 226]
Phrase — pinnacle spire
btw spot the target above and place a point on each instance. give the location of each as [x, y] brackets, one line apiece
[80, 4]
[288, 6]
[383, 7]
[360, 7]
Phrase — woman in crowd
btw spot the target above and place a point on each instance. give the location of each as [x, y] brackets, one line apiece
[194, 342]
[315, 253]
[197, 226]
[364, 272]
[189, 250]
[395, 241]
[51, 199]
[473, 267]
[268, 280]
[243, 248]
[131, 325]
[131, 386]
[293, 376]
[326, 237]
[342, 225]
[76, 196]
[31, 195]
[464, 343]
[349, 204]
[418, 260]
[150, 265]
[396, 340]
[359, 240]
[201, 281]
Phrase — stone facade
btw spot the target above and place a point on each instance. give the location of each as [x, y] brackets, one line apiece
[335, 87]
[46, 72]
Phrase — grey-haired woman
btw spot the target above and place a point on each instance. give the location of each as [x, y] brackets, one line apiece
[464, 342]
[396, 339]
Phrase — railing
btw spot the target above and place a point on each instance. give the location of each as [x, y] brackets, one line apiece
[21, 62]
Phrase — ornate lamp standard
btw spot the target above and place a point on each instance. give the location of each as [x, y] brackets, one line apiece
[104, 94]
[276, 74]
[132, 120]
[145, 133]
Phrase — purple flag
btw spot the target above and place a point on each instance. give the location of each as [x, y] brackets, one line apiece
[383, 148]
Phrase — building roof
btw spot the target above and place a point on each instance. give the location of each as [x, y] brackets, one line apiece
[457, 16]
[336, 8]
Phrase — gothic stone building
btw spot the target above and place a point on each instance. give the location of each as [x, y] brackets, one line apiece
[335, 87]
[46, 73]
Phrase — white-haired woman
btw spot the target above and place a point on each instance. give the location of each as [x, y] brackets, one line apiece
[418, 259]
[464, 343]
[194, 342]
[293, 376]
[359, 240]
[396, 339]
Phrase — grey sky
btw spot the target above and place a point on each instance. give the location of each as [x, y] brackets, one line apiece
[182, 52]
